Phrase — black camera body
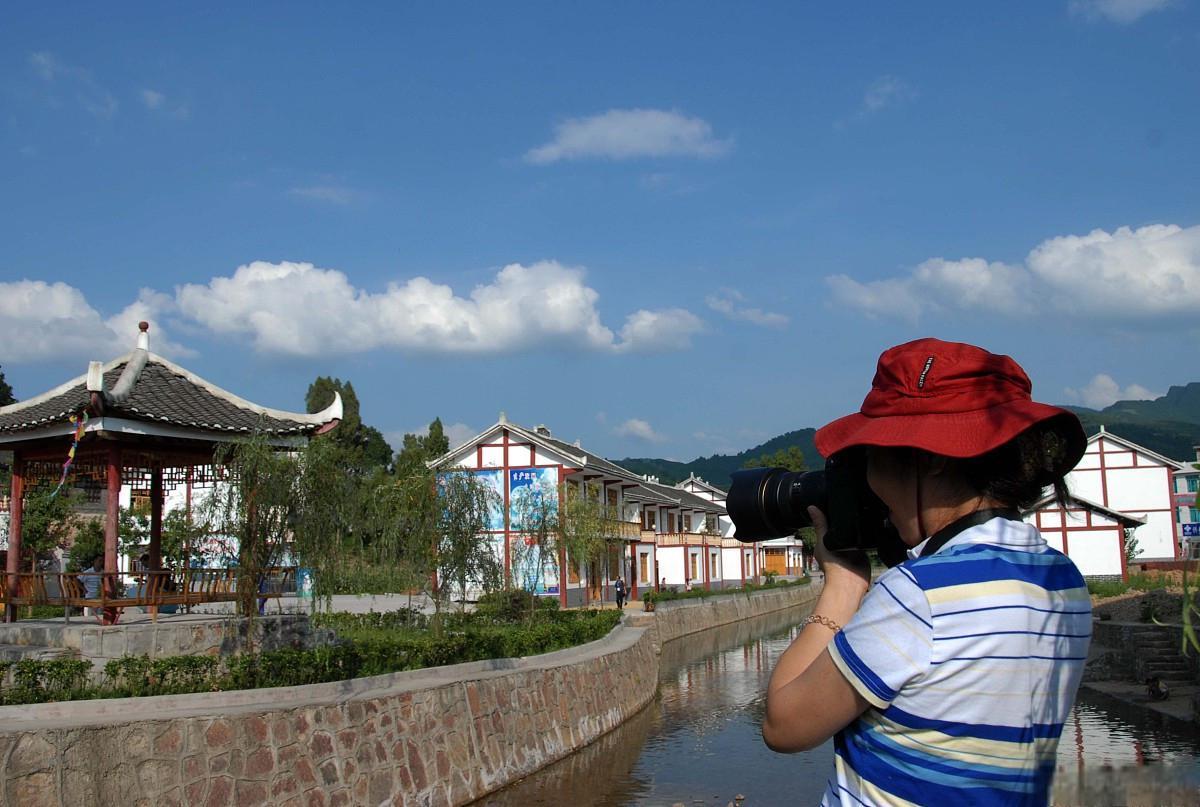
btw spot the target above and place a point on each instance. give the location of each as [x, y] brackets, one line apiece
[766, 503]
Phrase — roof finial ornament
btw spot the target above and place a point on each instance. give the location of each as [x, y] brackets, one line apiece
[503, 417]
[143, 340]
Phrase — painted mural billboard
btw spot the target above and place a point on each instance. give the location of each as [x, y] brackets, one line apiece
[532, 497]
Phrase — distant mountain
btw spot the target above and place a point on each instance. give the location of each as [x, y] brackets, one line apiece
[1169, 425]
[717, 468]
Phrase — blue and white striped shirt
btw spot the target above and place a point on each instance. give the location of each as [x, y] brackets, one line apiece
[971, 658]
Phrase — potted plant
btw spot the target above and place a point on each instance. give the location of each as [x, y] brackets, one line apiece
[649, 600]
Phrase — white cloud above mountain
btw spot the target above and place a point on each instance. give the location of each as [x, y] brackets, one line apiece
[1148, 274]
[639, 429]
[623, 134]
[1104, 391]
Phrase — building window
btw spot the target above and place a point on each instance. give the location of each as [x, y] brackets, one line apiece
[649, 514]
[670, 522]
[1193, 515]
[687, 522]
[644, 566]
[612, 498]
[1193, 484]
[712, 566]
[693, 558]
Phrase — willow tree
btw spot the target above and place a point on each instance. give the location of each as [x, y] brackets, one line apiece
[254, 509]
[464, 554]
[585, 531]
[535, 519]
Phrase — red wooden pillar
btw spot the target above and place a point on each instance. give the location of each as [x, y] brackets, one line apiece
[113, 513]
[633, 570]
[156, 517]
[707, 562]
[13, 565]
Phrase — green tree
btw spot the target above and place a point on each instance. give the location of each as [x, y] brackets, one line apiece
[791, 458]
[6, 393]
[586, 533]
[88, 544]
[256, 507]
[46, 525]
[351, 432]
[462, 552]
[535, 516]
[421, 449]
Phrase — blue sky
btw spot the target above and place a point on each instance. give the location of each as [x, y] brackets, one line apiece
[666, 229]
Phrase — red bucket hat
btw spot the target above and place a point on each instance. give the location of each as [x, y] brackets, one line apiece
[947, 398]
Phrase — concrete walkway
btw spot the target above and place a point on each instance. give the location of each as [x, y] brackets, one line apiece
[1177, 706]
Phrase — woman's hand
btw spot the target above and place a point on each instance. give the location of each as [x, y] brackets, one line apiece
[850, 570]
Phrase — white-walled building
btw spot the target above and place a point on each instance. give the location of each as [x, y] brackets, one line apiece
[1090, 534]
[668, 535]
[1124, 477]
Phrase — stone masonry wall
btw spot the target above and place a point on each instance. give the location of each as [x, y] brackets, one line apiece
[436, 737]
[676, 618]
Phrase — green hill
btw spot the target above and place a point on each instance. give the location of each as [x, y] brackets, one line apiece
[1169, 425]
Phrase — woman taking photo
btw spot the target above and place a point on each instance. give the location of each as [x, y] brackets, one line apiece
[947, 681]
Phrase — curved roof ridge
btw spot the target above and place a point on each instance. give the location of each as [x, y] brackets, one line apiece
[331, 412]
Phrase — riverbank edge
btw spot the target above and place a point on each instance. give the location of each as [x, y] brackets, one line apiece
[445, 736]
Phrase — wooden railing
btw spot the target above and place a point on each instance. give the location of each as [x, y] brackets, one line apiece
[627, 530]
[688, 538]
[104, 590]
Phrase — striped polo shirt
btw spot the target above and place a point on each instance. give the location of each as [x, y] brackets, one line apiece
[971, 658]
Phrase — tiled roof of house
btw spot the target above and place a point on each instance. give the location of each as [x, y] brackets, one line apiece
[158, 391]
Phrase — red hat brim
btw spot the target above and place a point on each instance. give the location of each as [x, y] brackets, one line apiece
[956, 434]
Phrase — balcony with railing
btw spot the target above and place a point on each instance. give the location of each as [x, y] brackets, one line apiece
[687, 539]
[626, 530]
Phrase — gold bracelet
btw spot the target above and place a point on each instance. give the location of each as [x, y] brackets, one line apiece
[823, 620]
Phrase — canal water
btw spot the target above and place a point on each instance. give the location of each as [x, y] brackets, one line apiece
[698, 742]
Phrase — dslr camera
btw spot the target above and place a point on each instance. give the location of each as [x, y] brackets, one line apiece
[766, 503]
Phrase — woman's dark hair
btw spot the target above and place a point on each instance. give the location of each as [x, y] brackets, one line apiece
[1018, 472]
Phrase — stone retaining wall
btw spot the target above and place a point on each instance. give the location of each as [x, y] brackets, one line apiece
[444, 736]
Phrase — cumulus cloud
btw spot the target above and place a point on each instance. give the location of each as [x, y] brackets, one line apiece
[1122, 12]
[300, 309]
[1147, 274]
[887, 91]
[638, 429]
[333, 194]
[730, 303]
[152, 99]
[42, 321]
[622, 134]
[77, 81]
[1103, 391]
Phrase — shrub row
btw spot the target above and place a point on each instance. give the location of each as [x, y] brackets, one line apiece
[371, 645]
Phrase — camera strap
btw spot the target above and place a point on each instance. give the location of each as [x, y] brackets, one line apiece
[942, 536]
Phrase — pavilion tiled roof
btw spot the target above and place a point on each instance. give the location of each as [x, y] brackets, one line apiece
[158, 391]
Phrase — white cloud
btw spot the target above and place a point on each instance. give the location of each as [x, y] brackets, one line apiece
[152, 99]
[300, 309]
[42, 321]
[61, 76]
[1148, 274]
[1103, 391]
[729, 302]
[622, 134]
[1122, 12]
[887, 91]
[638, 429]
[665, 329]
[333, 194]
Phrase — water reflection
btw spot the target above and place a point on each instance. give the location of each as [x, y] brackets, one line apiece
[698, 742]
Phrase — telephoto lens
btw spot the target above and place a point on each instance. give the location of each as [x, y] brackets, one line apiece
[766, 503]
